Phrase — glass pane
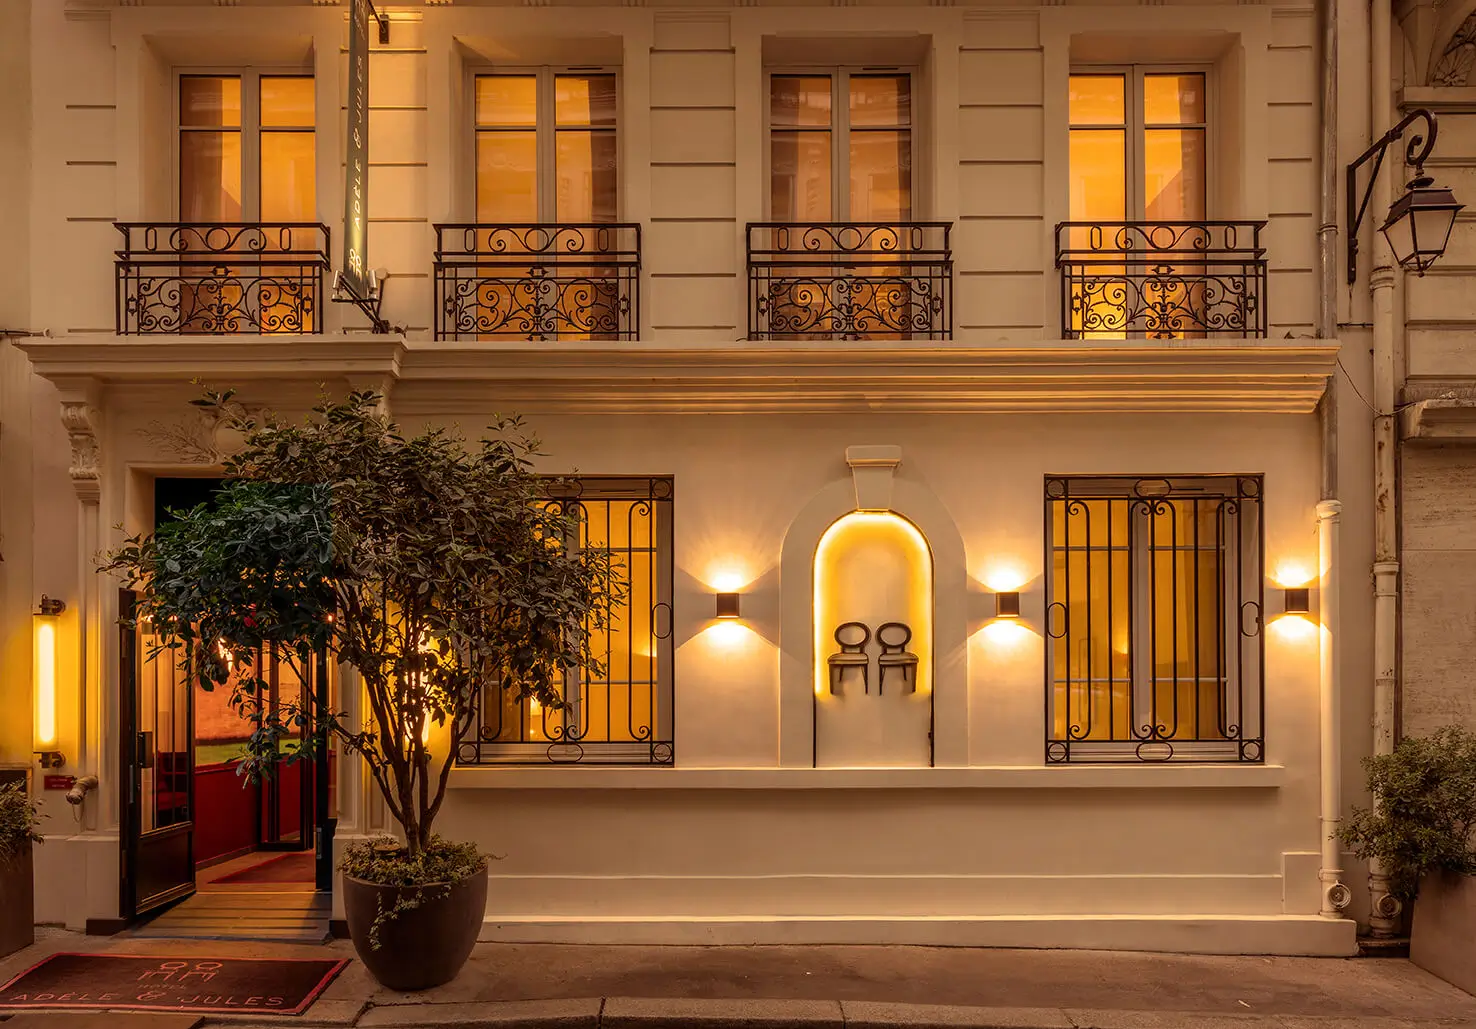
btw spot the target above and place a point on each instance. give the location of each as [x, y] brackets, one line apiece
[1173, 174]
[584, 166]
[883, 101]
[800, 166]
[799, 102]
[210, 101]
[507, 100]
[1098, 100]
[881, 176]
[1098, 174]
[288, 177]
[507, 176]
[210, 176]
[287, 102]
[584, 100]
[1173, 99]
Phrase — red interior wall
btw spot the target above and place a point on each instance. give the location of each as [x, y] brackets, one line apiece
[225, 811]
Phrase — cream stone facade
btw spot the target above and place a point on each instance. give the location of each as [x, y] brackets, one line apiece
[761, 828]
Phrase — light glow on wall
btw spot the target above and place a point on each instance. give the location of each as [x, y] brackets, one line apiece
[45, 683]
[1003, 575]
[853, 561]
[1293, 573]
[1007, 632]
[1294, 628]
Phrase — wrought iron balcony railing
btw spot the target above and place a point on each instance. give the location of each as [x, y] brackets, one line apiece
[538, 282]
[221, 278]
[1161, 280]
[855, 280]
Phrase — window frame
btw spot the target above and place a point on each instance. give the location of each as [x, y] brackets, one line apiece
[659, 750]
[840, 132]
[1241, 628]
[1135, 203]
[546, 130]
[250, 129]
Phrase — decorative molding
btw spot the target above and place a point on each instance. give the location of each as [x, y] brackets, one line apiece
[1454, 66]
[1279, 376]
[79, 417]
[1447, 419]
[872, 470]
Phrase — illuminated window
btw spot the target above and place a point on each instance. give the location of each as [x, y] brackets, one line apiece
[624, 715]
[247, 190]
[1154, 597]
[840, 155]
[1138, 155]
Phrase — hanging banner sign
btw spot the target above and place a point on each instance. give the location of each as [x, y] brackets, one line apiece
[356, 277]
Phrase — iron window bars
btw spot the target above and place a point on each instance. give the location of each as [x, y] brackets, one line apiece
[850, 280]
[626, 716]
[538, 282]
[1162, 280]
[1154, 601]
[198, 278]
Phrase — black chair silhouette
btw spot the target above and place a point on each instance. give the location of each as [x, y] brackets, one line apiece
[894, 637]
[852, 637]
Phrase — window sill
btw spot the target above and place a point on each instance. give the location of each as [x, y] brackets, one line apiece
[1137, 776]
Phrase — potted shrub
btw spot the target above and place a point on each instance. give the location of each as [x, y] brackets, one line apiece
[437, 570]
[19, 825]
[1423, 831]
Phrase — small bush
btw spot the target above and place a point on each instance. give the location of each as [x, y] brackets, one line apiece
[20, 821]
[1425, 819]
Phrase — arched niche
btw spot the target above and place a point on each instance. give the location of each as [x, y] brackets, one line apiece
[873, 486]
[873, 633]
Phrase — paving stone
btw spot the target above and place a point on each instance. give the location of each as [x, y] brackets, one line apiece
[518, 1014]
[688, 1013]
[873, 1015]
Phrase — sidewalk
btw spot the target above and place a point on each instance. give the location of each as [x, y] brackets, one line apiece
[545, 986]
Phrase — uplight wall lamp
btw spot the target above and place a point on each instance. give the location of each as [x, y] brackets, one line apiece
[43, 680]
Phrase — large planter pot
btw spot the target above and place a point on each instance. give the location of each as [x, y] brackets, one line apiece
[17, 903]
[1442, 940]
[423, 946]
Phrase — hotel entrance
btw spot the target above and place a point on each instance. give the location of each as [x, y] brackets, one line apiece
[206, 852]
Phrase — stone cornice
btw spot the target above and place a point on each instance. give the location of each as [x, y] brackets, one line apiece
[1281, 376]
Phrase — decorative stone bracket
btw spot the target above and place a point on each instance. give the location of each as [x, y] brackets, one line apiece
[872, 469]
[80, 417]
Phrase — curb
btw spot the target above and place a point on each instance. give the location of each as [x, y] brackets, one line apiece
[687, 1013]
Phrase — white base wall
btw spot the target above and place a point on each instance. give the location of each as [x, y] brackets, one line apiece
[1285, 935]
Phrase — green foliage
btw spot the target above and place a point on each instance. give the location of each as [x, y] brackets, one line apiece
[425, 876]
[1424, 818]
[432, 567]
[20, 821]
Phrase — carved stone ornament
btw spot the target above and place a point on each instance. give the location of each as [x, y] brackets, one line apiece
[78, 417]
[204, 435]
[1454, 66]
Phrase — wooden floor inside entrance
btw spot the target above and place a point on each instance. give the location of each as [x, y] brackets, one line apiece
[276, 901]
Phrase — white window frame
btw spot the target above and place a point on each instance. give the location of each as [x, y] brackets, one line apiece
[546, 130]
[250, 129]
[840, 131]
[1135, 202]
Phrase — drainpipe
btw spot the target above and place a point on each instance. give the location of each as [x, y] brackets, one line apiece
[1335, 893]
[1385, 911]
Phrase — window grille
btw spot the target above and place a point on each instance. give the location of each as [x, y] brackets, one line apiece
[624, 716]
[1154, 599]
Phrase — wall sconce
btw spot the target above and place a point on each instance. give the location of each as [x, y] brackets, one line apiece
[1007, 604]
[1297, 600]
[43, 680]
[1419, 222]
[727, 605]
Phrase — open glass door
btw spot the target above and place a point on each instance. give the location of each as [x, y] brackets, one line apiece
[158, 762]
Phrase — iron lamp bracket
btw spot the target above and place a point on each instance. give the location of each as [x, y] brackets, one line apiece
[1416, 153]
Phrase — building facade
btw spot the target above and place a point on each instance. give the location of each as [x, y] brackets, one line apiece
[990, 362]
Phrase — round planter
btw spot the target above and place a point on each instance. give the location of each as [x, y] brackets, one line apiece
[421, 947]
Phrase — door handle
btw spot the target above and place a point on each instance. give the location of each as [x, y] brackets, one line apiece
[144, 752]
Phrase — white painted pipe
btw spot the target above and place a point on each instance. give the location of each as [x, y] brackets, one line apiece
[1335, 893]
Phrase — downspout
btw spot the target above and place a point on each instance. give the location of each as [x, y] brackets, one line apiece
[1385, 910]
[1335, 894]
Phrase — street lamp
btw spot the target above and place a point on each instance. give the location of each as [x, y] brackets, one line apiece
[1419, 223]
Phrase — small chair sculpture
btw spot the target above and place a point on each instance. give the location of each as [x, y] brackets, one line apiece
[852, 637]
[894, 637]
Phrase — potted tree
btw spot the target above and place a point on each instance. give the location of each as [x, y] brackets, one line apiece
[19, 830]
[435, 569]
[1423, 831]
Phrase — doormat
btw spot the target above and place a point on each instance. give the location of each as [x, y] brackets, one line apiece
[301, 867]
[126, 982]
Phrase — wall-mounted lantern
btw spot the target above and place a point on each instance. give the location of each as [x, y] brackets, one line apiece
[1419, 223]
[1007, 604]
[727, 605]
[1297, 600]
[43, 679]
